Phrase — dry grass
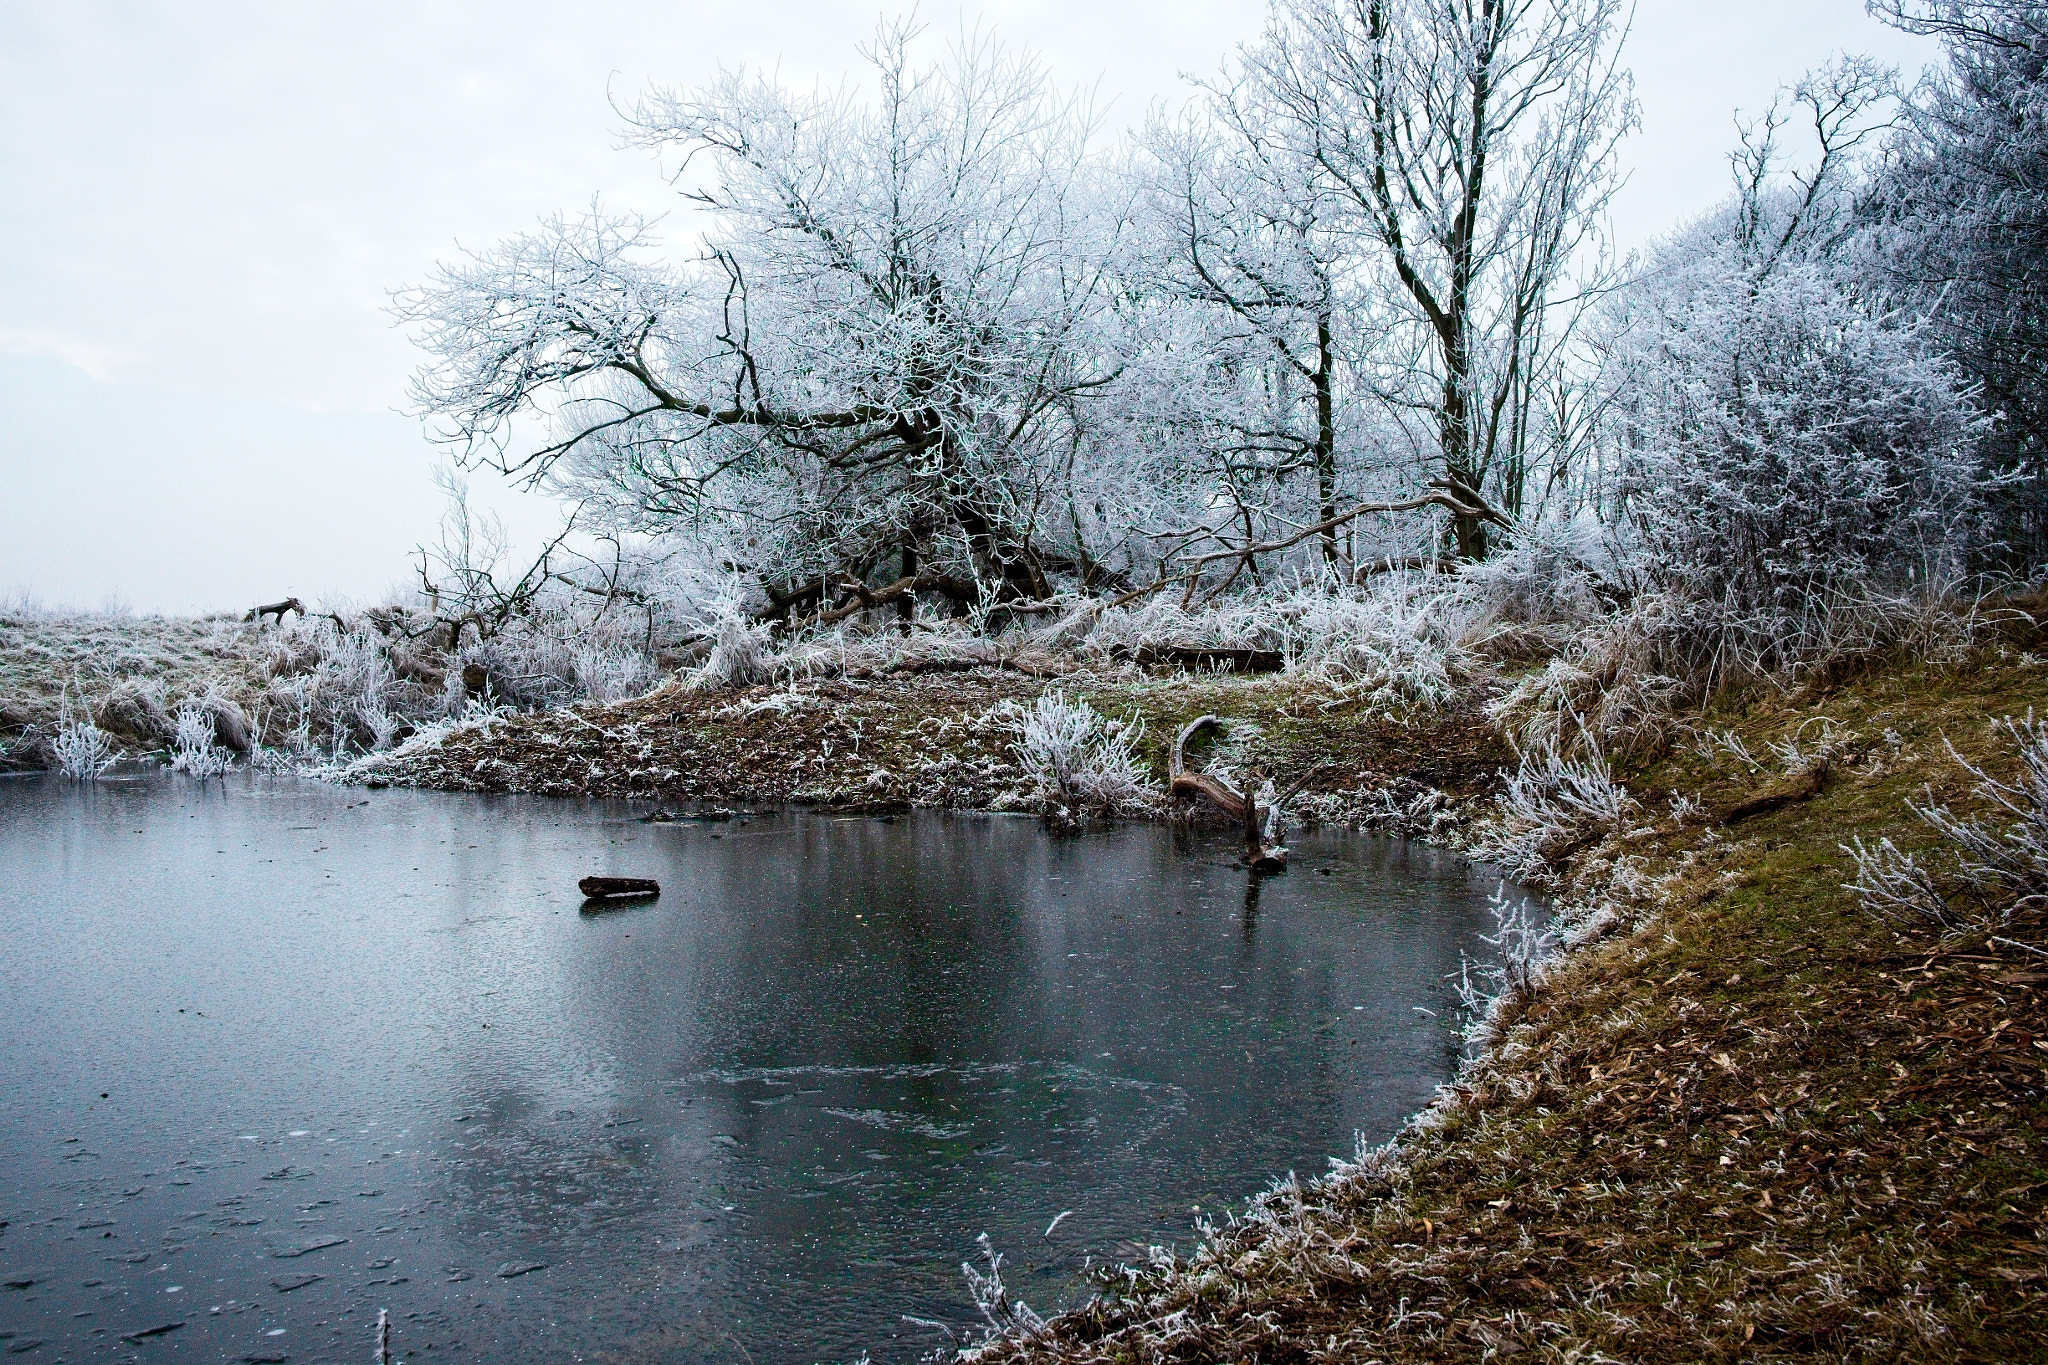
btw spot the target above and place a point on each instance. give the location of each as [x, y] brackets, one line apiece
[97, 659]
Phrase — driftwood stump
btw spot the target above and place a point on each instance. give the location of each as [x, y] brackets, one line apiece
[1259, 855]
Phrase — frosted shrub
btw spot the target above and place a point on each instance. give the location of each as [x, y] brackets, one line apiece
[1160, 622]
[840, 652]
[1547, 568]
[193, 751]
[1788, 444]
[739, 655]
[1792, 443]
[1400, 642]
[1988, 873]
[609, 673]
[1552, 807]
[1526, 945]
[1615, 682]
[82, 749]
[383, 727]
[1003, 1314]
[1081, 763]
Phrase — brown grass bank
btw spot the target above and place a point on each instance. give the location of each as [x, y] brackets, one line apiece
[1756, 1123]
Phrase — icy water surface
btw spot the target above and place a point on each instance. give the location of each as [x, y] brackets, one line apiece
[280, 1054]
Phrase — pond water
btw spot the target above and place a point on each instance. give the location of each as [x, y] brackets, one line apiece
[280, 1054]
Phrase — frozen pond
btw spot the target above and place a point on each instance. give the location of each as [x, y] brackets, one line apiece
[281, 1054]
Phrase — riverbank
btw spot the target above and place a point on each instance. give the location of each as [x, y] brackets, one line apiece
[1752, 1122]
[947, 740]
[1746, 1119]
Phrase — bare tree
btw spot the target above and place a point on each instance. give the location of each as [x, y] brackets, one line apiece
[1472, 142]
[1246, 230]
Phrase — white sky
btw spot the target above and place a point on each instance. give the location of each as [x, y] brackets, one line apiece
[203, 205]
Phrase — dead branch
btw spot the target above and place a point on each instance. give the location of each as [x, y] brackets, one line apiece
[1402, 564]
[1800, 787]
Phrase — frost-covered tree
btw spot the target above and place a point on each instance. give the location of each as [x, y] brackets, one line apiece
[1785, 435]
[880, 364]
[1245, 241]
[1472, 145]
[1963, 204]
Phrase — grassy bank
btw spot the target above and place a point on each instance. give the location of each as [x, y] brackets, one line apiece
[943, 739]
[1755, 1122]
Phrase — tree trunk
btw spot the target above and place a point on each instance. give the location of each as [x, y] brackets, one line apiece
[906, 606]
[1326, 435]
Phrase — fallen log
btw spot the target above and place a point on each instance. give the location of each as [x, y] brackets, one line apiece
[1799, 787]
[610, 888]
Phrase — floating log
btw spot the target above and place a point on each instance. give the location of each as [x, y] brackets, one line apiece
[618, 888]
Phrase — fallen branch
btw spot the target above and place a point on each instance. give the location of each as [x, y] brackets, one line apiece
[1259, 855]
[1182, 783]
[1804, 787]
[1240, 660]
[276, 610]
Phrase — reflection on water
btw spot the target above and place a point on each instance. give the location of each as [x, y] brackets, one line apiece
[280, 1055]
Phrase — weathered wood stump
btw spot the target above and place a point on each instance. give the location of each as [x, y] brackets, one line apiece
[1259, 855]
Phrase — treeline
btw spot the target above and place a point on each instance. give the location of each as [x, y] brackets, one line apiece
[1345, 325]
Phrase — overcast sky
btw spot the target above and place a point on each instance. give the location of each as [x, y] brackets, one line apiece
[203, 206]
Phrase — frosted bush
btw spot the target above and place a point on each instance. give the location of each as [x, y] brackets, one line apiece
[609, 673]
[82, 749]
[1525, 943]
[1551, 579]
[841, 652]
[1002, 1314]
[1987, 873]
[1079, 762]
[383, 727]
[193, 751]
[1400, 642]
[739, 655]
[1160, 622]
[1782, 435]
[1553, 806]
